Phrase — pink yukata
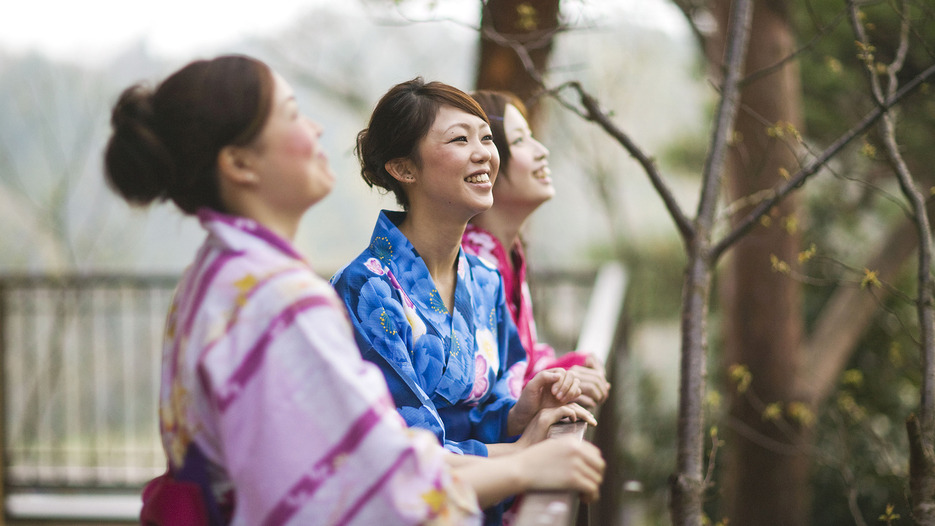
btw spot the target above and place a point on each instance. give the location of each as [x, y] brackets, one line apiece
[265, 393]
[540, 356]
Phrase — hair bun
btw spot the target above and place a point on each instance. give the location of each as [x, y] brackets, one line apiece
[136, 162]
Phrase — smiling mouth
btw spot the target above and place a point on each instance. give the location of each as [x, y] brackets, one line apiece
[542, 173]
[478, 178]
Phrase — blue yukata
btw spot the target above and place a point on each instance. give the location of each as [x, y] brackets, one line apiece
[458, 373]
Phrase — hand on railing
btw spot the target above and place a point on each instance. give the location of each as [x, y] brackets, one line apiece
[538, 428]
[549, 388]
[594, 386]
[572, 464]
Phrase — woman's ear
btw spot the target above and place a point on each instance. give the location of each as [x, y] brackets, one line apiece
[234, 166]
[402, 169]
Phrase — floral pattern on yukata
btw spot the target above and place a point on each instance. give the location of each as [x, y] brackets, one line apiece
[454, 373]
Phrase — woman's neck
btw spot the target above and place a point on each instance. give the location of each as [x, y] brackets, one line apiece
[437, 240]
[503, 224]
[284, 225]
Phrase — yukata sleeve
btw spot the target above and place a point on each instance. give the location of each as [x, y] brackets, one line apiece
[308, 431]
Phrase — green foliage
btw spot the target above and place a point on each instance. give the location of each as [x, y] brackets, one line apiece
[834, 80]
[861, 437]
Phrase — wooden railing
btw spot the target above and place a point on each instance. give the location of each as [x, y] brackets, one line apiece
[599, 336]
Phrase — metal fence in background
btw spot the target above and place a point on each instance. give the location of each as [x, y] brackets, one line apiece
[81, 359]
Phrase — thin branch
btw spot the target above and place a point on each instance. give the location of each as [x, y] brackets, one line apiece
[712, 458]
[520, 49]
[858, 283]
[768, 443]
[686, 10]
[924, 307]
[811, 43]
[745, 201]
[771, 191]
[816, 164]
[597, 115]
[738, 36]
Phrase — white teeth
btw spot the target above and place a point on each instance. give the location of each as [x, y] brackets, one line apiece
[542, 173]
[481, 178]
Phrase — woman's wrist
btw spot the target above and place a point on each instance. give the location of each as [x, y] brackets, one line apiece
[503, 448]
[516, 421]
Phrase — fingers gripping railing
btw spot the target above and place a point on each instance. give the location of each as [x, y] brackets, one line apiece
[599, 334]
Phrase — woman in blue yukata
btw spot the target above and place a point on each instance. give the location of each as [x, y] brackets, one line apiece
[432, 317]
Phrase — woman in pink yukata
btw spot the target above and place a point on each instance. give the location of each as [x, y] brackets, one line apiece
[523, 185]
[268, 414]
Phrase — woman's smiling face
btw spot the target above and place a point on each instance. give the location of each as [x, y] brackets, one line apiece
[526, 178]
[456, 165]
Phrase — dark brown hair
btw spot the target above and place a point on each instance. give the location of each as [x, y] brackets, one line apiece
[399, 122]
[494, 104]
[165, 142]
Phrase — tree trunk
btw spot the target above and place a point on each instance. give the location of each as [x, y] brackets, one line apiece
[766, 480]
[500, 66]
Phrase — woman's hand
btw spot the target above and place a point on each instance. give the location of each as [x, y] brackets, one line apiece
[565, 463]
[594, 387]
[538, 428]
[549, 388]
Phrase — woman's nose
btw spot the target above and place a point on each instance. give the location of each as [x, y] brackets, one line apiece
[481, 154]
[542, 152]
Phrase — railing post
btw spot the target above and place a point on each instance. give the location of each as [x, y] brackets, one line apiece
[607, 509]
[601, 335]
[4, 290]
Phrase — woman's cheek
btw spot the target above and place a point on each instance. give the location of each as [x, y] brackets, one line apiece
[299, 144]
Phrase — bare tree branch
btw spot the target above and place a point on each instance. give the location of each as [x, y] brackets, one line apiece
[597, 115]
[811, 43]
[925, 307]
[737, 38]
[686, 7]
[817, 163]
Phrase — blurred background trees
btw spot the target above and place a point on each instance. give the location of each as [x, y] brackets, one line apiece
[813, 340]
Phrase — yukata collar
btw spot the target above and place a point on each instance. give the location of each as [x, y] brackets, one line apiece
[226, 227]
[394, 250]
[514, 258]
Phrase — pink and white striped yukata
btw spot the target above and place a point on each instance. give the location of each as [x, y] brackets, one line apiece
[262, 378]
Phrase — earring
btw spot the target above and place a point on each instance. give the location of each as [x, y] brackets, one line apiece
[252, 178]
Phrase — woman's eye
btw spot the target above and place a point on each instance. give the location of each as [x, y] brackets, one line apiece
[516, 141]
[460, 138]
[488, 137]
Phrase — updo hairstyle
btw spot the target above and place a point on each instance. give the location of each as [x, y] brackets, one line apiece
[399, 122]
[165, 142]
[494, 104]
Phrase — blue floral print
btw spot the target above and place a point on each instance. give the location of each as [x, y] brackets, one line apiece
[449, 372]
